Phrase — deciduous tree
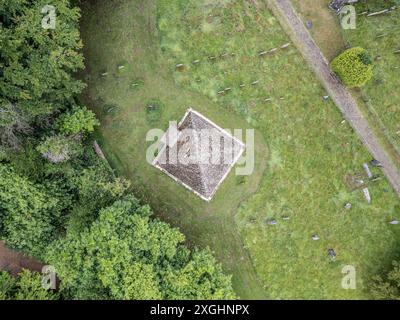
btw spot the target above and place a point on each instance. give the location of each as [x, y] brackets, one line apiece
[27, 286]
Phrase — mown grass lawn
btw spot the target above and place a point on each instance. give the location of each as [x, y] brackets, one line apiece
[304, 154]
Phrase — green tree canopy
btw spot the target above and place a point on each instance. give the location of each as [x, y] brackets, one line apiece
[28, 214]
[354, 67]
[13, 123]
[94, 187]
[128, 255]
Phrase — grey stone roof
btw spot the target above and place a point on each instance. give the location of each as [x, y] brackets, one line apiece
[198, 154]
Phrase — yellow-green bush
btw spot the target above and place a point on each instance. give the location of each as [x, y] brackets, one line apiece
[354, 67]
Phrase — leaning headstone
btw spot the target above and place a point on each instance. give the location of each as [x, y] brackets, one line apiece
[367, 195]
[367, 171]
[315, 237]
[325, 97]
[309, 24]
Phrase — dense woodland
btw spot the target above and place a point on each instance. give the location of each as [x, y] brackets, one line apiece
[65, 206]
[60, 202]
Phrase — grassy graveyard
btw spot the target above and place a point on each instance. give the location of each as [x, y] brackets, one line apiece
[231, 61]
